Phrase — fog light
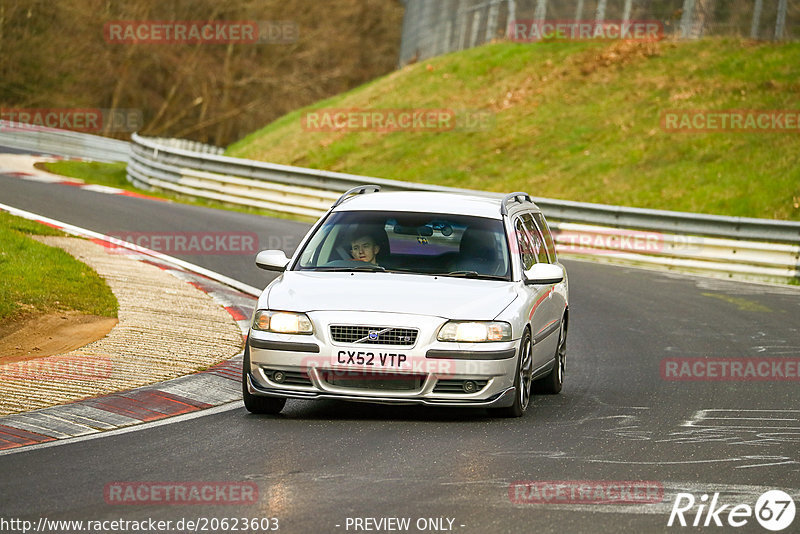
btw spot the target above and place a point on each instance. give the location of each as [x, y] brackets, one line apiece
[470, 386]
[279, 377]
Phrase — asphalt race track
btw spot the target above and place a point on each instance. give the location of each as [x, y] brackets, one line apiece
[321, 465]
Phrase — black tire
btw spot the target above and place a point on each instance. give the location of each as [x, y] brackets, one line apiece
[255, 403]
[522, 381]
[553, 382]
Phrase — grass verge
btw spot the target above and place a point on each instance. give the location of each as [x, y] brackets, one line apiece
[578, 121]
[36, 278]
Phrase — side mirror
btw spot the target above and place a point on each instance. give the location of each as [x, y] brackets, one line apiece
[543, 273]
[272, 260]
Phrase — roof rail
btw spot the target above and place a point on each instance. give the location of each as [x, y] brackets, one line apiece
[516, 197]
[360, 190]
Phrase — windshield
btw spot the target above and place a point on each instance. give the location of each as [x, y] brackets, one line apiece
[422, 243]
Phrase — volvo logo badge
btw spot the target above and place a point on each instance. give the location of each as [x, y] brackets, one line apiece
[373, 335]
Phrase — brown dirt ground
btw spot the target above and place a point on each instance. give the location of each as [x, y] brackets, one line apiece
[53, 333]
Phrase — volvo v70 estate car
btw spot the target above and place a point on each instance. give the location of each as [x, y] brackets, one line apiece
[438, 299]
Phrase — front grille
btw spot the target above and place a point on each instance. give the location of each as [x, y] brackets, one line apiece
[374, 335]
[371, 380]
[456, 386]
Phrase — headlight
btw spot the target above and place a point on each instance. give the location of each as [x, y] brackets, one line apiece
[475, 331]
[282, 322]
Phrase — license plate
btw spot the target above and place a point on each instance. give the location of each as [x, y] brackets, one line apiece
[371, 359]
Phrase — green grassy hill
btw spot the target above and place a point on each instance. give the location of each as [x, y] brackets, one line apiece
[577, 121]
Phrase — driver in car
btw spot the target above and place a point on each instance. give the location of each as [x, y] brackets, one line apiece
[365, 248]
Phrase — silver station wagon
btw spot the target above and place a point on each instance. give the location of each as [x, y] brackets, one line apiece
[438, 299]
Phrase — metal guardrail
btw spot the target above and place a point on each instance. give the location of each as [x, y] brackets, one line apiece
[188, 144]
[672, 221]
[62, 142]
[734, 258]
[761, 249]
[739, 247]
[176, 165]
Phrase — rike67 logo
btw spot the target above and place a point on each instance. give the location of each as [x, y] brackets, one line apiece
[774, 510]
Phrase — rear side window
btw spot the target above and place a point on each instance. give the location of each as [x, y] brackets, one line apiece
[548, 236]
[526, 248]
[539, 249]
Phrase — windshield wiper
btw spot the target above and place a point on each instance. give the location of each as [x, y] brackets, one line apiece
[462, 274]
[367, 268]
[472, 274]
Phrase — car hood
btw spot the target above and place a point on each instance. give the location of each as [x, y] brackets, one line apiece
[447, 297]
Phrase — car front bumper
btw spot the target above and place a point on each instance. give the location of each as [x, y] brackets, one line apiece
[435, 373]
[501, 400]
